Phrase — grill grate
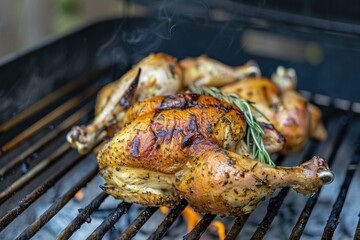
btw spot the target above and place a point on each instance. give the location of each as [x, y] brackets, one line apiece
[338, 205]
[57, 206]
[305, 214]
[82, 217]
[135, 226]
[168, 221]
[77, 107]
[109, 222]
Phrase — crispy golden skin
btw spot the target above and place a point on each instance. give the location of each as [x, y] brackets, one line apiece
[186, 146]
[172, 127]
[160, 75]
[290, 113]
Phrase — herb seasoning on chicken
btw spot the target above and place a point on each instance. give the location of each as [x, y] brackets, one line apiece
[161, 75]
[191, 147]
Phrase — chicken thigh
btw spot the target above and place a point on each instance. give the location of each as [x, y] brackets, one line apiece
[185, 146]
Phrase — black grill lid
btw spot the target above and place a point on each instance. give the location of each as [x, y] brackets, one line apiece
[30, 75]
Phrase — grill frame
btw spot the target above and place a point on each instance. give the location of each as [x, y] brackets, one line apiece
[80, 106]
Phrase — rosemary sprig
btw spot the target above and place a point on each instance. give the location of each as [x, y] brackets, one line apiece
[255, 134]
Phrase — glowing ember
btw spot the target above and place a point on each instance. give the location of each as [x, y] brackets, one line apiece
[79, 196]
[164, 210]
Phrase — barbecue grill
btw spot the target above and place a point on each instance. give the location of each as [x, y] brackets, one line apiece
[46, 90]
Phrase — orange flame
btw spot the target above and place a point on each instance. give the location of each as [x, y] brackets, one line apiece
[164, 210]
[220, 228]
[192, 218]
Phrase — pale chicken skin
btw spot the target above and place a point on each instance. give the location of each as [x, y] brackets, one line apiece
[161, 75]
[186, 147]
[206, 71]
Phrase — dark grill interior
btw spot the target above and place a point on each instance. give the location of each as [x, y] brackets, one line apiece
[35, 159]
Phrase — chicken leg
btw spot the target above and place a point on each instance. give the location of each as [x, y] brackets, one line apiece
[225, 183]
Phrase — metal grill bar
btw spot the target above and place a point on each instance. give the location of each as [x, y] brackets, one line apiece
[109, 222]
[305, 214]
[333, 220]
[168, 221]
[357, 233]
[39, 191]
[29, 176]
[82, 217]
[49, 99]
[200, 228]
[57, 205]
[272, 211]
[135, 226]
[55, 114]
[236, 227]
[46, 139]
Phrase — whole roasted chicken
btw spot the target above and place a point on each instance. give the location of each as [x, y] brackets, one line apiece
[161, 75]
[190, 146]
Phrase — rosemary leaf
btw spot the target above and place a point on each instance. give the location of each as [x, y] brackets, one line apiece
[255, 133]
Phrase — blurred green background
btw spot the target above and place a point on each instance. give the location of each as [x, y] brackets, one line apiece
[25, 23]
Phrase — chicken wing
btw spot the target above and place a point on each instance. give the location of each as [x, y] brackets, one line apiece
[160, 75]
[186, 147]
[206, 71]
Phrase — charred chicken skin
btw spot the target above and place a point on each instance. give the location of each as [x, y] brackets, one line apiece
[188, 146]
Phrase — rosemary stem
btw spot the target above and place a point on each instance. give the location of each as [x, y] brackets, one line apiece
[255, 133]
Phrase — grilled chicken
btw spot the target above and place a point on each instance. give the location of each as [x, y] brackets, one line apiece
[290, 113]
[209, 72]
[160, 75]
[188, 146]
